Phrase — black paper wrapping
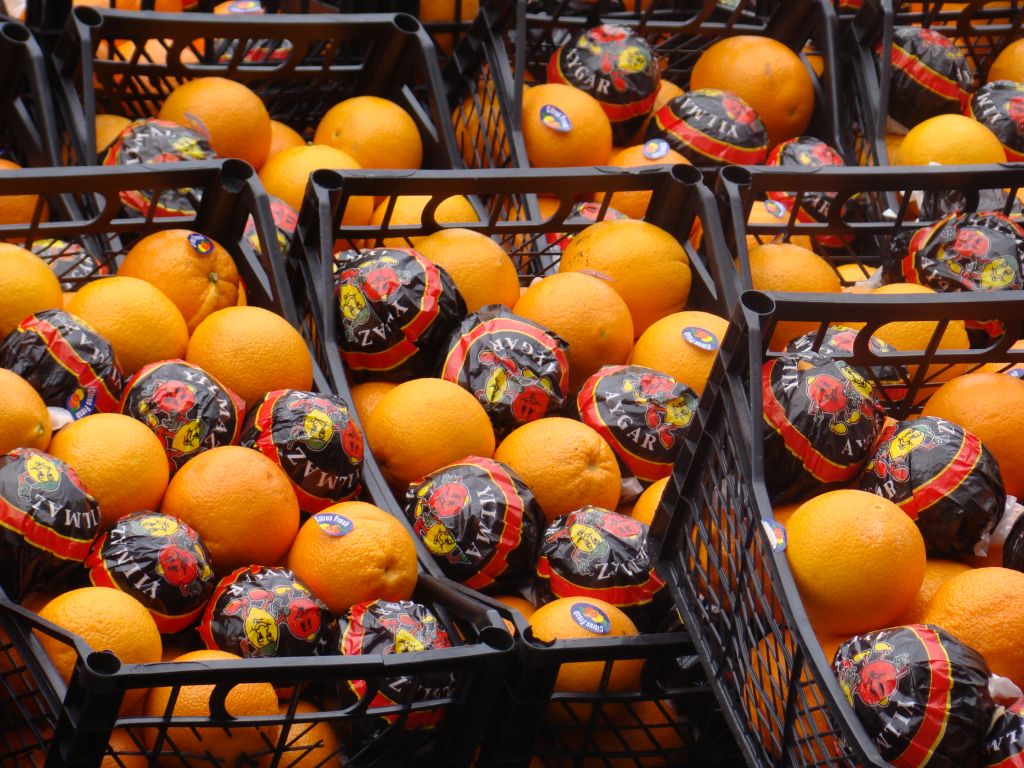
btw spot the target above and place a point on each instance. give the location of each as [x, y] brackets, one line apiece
[479, 521]
[596, 553]
[261, 612]
[158, 560]
[516, 368]
[642, 414]
[159, 141]
[999, 106]
[66, 362]
[314, 439]
[943, 478]
[396, 310]
[615, 66]
[48, 522]
[185, 407]
[69, 261]
[821, 419]
[930, 75]
[921, 695]
[711, 128]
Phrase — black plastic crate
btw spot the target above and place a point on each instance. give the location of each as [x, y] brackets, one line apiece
[734, 590]
[679, 31]
[28, 133]
[982, 28]
[86, 210]
[506, 207]
[448, 687]
[867, 207]
[126, 63]
[673, 719]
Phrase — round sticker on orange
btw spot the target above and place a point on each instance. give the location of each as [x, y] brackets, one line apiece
[333, 524]
[555, 119]
[200, 243]
[591, 618]
[701, 338]
[655, 149]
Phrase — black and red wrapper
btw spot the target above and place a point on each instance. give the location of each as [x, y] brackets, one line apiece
[48, 522]
[158, 560]
[921, 695]
[396, 311]
[479, 521]
[821, 419]
[66, 362]
[517, 369]
[314, 439]
[943, 478]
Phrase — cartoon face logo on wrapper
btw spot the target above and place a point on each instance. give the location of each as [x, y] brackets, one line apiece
[831, 398]
[893, 461]
[874, 675]
[40, 476]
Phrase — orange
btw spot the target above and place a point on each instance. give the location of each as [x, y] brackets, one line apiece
[991, 406]
[915, 335]
[118, 459]
[574, 618]
[649, 500]
[623, 731]
[27, 285]
[586, 312]
[1009, 64]
[365, 396]
[423, 425]
[376, 132]
[480, 130]
[788, 267]
[225, 746]
[307, 745]
[634, 204]
[24, 420]
[240, 503]
[936, 573]
[482, 271]
[409, 210]
[565, 463]
[129, 752]
[374, 560]
[447, 11]
[854, 272]
[683, 345]
[282, 137]
[645, 265]
[251, 351]
[191, 269]
[520, 604]
[583, 138]
[108, 620]
[18, 209]
[140, 322]
[286, 174]
[107, 129]
[770, 212]
[857, 559]
[765, 74]
[227, 112]
[982, 609]
[949, 140]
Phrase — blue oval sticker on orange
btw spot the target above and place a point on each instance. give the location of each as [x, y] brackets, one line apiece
[701, 338]
[555, 119]
[591, 618]
[333, 524]
[200, 243]
[655, 149]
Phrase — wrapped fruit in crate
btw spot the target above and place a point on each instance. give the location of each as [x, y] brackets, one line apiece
[871, 230]
[144, 88]
[853, 607]
[521, 377]
[630, 84]
[28, 131]
[935, 82]
[190, 559]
